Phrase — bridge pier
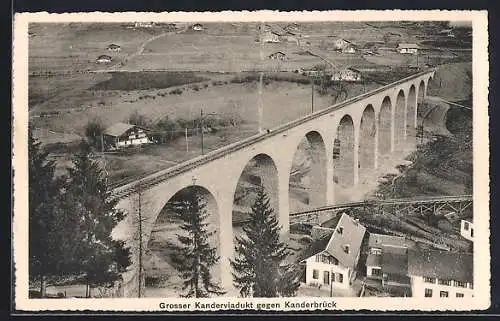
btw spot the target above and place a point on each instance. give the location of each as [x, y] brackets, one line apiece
[356, 157]
[226, 242]
[283, 210]
[375, 146]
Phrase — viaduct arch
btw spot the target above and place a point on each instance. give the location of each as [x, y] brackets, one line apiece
[365, 125]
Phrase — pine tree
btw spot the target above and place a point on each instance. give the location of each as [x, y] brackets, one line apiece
[51, 245]
[101, 258]
[194, 257]
[259, 267]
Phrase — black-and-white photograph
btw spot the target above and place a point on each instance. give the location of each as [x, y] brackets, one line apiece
[251, 159]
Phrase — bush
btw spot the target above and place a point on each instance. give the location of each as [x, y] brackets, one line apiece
[93, 131]
[176, 91]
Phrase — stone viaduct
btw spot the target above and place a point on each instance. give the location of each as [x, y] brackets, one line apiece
[361, 129]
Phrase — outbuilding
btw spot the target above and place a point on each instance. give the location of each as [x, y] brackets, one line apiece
[103, 59]
[408, 48]
[114, 47]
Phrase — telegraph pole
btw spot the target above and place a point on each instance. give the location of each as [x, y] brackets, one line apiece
[140, 243]
[312, 96]
[201, 129]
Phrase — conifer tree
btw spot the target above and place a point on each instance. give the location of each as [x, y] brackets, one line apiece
[101, 258]
[259, 266]
[48, 225]
[194, 257]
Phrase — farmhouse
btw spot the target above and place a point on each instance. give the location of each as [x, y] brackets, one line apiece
[407, 48]
[344, 46]
[271, 37]
[122, 135]
[290, 38]
[467, 229]
[440, 274]
[387, 260]
[333, 258]
[278, 55]
[114, 47]
[348, 74]
[292, 27]
[144, 24]
[197, 27]
[103, 59]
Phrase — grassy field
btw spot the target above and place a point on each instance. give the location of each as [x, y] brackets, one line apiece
[225, 48]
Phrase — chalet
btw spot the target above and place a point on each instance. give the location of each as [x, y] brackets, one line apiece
[332, 259]
[440, 274]
[102, 59]
[114, 47]
[271, 37]
[387, 260]
[348, 74]
[144, 24]
[344, 46]
[122, 135]
[278, 55]
[197, 27]
[289, 37]
[467, 229]
[407, 48]
[340, 44]
[292, 27]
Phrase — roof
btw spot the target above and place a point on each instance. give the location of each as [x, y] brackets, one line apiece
[197, 25]
[441, 264]
[408, 45]
[104, 57]
[373, 260]
[352, 235]
[113, 46]
[277, 52]
[316, 246]
[118, 129]
[332, 223]
[380, 240]
[394, 260]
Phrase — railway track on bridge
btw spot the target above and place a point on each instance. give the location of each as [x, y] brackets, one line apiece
[387, 202]
[122, 191]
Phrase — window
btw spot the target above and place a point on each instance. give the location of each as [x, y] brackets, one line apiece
[471, 285]
[443, 294]
[326, 277]
[459, 295]
[471, 232]
[428, 293]
[466, 226]
[459, 284]
[315, 274]
[444, 282]
[376, 251]
[341, 278]
[376, 271]
[429, 280]
[341, 230]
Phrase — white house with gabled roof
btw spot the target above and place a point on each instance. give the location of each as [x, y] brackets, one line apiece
[334, 257]
[441, 274]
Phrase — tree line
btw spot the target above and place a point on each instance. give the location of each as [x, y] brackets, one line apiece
[71, 218]
[70, 222]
